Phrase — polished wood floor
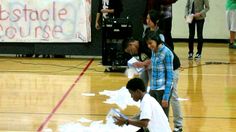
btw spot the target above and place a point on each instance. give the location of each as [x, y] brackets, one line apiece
[38, 93]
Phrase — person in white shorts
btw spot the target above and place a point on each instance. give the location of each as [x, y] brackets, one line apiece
[151, 116]
[231, 21]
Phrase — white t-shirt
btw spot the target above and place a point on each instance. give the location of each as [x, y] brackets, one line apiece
[151, 109]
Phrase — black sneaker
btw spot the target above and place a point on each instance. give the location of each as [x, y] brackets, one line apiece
[178, 129]
[190, 56]
[197, 56]
[231, 45]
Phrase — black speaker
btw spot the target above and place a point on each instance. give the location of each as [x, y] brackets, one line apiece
[118, 28]
[114, 32]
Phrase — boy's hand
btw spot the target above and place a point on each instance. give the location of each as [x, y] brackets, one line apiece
[97, 26]
[197, 14]
[138, 64]
[119, 120]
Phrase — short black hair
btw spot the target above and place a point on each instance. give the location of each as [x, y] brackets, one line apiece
[126, 42]
[135, 84]
[153, 35]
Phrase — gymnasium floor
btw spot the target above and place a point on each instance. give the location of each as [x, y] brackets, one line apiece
[39, 94]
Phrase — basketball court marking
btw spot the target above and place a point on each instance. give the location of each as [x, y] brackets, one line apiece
[64, 97]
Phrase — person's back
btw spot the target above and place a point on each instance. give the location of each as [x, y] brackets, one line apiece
[158, 120]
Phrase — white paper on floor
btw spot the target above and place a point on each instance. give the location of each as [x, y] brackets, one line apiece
[47, 130]
[88, 94]
[84, 120]
[182, 99]
[96, 126]
[120, 97]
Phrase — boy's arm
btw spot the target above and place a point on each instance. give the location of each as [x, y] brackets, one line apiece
[139, 123]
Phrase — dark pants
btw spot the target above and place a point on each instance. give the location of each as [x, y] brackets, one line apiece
[199, 24]
[158, 95]
[166, 26]
[143, 130]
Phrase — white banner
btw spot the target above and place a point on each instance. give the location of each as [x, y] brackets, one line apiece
[45, 21]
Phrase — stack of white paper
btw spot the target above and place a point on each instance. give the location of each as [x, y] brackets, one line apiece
[114, 112]
[189, 18]
[132, 61]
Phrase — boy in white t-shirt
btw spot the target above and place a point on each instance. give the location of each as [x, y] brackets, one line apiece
[152, 115]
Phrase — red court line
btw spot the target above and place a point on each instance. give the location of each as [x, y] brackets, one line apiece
[63, 97]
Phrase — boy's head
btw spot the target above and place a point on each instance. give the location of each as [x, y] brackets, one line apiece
[131, 46]
[136, 88]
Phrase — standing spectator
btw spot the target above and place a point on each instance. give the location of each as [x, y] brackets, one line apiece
[108, 9]
[162, 70]
[151, 113]
[150, 5]
[165, 24]
[152, 20]
[231, 21]
[198, 9]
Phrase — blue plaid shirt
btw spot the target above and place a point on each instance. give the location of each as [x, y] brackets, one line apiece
[162, 71]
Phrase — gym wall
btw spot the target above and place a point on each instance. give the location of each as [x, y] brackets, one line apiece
[215, 29]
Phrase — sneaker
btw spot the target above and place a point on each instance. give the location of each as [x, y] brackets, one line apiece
[190, 56]
[232, 45]
[197, 56]
[178, 129]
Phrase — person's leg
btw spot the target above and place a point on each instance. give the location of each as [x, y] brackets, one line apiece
[233, 27]
[178, 118]
[104, 47]
[232, 37]
[231, 23]
[191, 38]
[158, 94]
[200, 24]
[165, 27]
[144, 76]
[143, 130]
[168, 35]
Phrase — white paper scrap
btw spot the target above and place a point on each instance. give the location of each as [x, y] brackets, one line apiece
[120, 97]
[88, 94]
